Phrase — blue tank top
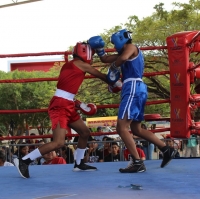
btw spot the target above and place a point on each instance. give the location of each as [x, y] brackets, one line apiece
[133, 68]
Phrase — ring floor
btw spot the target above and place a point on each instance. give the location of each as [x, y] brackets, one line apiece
[180, 179]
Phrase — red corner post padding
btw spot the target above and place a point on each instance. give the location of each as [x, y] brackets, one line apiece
[179, 49]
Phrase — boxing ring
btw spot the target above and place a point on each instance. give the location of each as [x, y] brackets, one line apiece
[179, 179]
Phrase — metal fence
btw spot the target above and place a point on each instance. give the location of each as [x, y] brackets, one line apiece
[186, 148]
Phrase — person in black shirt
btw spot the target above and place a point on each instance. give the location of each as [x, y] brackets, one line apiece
[114, 156]
[93, 154]
[170, 142]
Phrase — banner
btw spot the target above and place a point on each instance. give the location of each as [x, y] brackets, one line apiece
[101, 121]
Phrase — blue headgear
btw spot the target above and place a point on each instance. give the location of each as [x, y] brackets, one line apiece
[120, 38]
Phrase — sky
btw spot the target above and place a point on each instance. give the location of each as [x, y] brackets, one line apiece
[54, 25]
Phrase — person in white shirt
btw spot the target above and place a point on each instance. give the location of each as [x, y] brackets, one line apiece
[3, 160]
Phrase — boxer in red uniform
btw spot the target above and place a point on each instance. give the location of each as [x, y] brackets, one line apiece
[62, 110]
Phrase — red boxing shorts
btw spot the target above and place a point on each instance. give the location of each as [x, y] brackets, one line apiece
[62, 111]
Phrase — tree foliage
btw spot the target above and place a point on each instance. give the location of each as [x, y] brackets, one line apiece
[23, 96]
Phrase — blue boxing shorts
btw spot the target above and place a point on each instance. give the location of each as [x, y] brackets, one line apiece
[133, 99]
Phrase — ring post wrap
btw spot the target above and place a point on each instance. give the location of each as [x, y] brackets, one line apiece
[115, 88]
[113, 74]
[87, 109]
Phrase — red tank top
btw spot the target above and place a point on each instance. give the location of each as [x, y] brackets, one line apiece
[70, 78]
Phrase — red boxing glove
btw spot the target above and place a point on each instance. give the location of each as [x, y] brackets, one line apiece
[116, 87]
[87, 109]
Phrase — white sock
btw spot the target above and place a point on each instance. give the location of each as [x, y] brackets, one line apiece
[79, 155]
[33, 155]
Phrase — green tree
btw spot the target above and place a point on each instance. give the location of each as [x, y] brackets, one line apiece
[24, 96]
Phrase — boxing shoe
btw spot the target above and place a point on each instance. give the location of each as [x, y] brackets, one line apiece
[168, 154]
[134, 166]
[22, 166]
[83, 167]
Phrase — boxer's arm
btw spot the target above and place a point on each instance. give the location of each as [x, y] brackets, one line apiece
[91, 70]
[109, 58]
[130, 51]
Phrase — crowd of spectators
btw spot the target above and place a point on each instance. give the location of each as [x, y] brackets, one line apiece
[3, 161]
[100, 148]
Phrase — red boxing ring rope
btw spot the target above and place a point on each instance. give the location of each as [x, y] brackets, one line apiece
[98, 107]
[69, 52]
[55, 78]
[70, 135]
[86, 77]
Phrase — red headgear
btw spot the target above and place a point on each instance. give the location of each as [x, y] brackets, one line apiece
[83, 51]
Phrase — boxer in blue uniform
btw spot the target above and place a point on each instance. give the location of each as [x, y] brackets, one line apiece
[129, 61]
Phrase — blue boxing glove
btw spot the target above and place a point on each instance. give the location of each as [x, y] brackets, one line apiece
[113, 74]
[97, 43]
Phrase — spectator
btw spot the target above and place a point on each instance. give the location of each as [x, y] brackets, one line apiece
[139, 150]
[171, 143]
[3, 161]
[4, 149]
[177, 143]
[95, 145]
[191, 146]
[107, 146]
[52, 158]
[67, 154]
[7, 153]
[114, 156]
[93, 154]
[32, 141]
[148, 147]
[101, 147]
[99, 137]
[22, 151]
[13, 147]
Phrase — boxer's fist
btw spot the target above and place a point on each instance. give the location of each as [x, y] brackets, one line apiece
[87, 109]
[115, 88]
[113, 75]
[97, 43]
